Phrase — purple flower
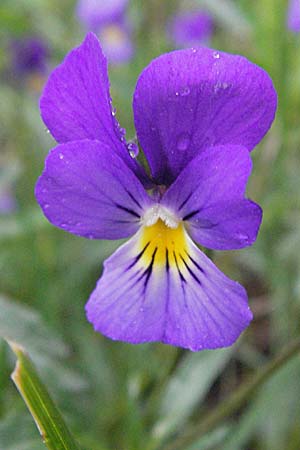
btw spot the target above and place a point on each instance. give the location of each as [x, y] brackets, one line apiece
[29, 56]
[107, 18]
[191, 29]
[197, 114]
[8, 202]
[293, 16]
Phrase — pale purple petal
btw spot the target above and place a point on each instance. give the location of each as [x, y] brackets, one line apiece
[95, 13]
[209, 196]
[188, 100]
[88, 190]
[116, 42]
[293, 16]
[191, 28]
[184, 301]
[8, 202]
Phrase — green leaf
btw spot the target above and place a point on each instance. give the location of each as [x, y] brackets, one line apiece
[188, 386]
[50, 423]
[18, 432]
[24, 326]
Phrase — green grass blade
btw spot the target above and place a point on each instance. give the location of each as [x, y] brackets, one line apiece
[49, 421]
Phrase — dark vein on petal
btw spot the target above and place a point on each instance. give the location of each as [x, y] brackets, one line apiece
[180, 274]
[133, 198]
[167, 260]
[148, 271]
[184, 202]
[130, 211]
[191, 214]
[190, 271]
[195, 263]
[136, 259]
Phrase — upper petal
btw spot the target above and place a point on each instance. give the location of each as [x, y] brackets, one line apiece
[209, 196]
[76, 102]
[160, 287]
[191, 99]
[88, 190]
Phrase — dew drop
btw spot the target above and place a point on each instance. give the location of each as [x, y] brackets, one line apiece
[133, 149]
[113, 111]
[185, 91]
[46, 206]
[243, 237]
[63, 225]
[121, 131]
[61, 156]
[216, 55]
[177, 94]
[183, 142]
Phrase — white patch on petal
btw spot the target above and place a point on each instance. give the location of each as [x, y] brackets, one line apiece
[156, 212]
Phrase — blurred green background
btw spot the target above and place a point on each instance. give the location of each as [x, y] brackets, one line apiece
[118, 396]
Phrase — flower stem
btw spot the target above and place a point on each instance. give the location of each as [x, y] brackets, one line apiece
[236, 399]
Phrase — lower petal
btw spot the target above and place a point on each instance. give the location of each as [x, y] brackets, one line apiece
[160, 287]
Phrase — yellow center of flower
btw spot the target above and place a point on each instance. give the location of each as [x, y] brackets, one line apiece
[163, 245]
[113, 35]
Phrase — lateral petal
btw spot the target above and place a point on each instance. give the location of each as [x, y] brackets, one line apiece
[209, 196]
[88, 190]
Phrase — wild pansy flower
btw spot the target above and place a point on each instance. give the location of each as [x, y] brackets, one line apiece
[293, 16]
[29, 60]
[107, 18]
[191, 28]
[9, 171]
[197, 115]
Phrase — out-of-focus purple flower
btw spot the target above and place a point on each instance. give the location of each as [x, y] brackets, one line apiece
[96, 13]
[29, 55]
[293, 16]
[198, 113]
[191, 28]
[8, 173]
[107, 18]
[8, 202]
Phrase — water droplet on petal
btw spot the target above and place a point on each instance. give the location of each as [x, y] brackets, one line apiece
[243, 237]
[216, 55]
[113, 111]
[177, 94]
[133, 149]
[61, 156]
[183, 142]
[63, 225]
[46, 206]
[185, 91]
